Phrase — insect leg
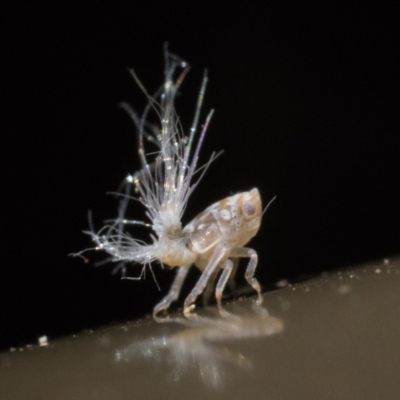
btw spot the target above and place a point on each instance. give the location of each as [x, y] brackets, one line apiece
[209, 289]
[173, 293]
[218, 254]
[227, 266]
[231, 279]
[251, 267]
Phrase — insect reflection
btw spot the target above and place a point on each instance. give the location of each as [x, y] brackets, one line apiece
[204, 344]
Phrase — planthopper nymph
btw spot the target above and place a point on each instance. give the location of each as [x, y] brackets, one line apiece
[215, 239]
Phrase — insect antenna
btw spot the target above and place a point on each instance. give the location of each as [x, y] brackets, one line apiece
[269, 203]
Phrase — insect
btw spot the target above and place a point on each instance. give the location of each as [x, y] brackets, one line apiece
[213, 239]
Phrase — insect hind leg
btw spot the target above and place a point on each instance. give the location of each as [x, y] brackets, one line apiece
[173, 293]
[245, 252]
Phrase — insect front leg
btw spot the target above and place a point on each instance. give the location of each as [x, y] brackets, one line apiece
[219, 252]
[250, 270]
[173, 293]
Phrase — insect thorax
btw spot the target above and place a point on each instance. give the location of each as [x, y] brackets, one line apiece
[233, 220]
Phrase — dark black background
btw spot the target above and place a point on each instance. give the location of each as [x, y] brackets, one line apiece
[307, 108]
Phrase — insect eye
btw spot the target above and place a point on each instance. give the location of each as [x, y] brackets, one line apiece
[249, 209]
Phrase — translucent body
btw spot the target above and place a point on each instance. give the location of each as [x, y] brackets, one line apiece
[215, 237]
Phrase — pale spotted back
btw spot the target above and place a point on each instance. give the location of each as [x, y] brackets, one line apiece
[233, 220]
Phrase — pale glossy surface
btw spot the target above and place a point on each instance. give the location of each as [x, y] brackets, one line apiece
[333, 337]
